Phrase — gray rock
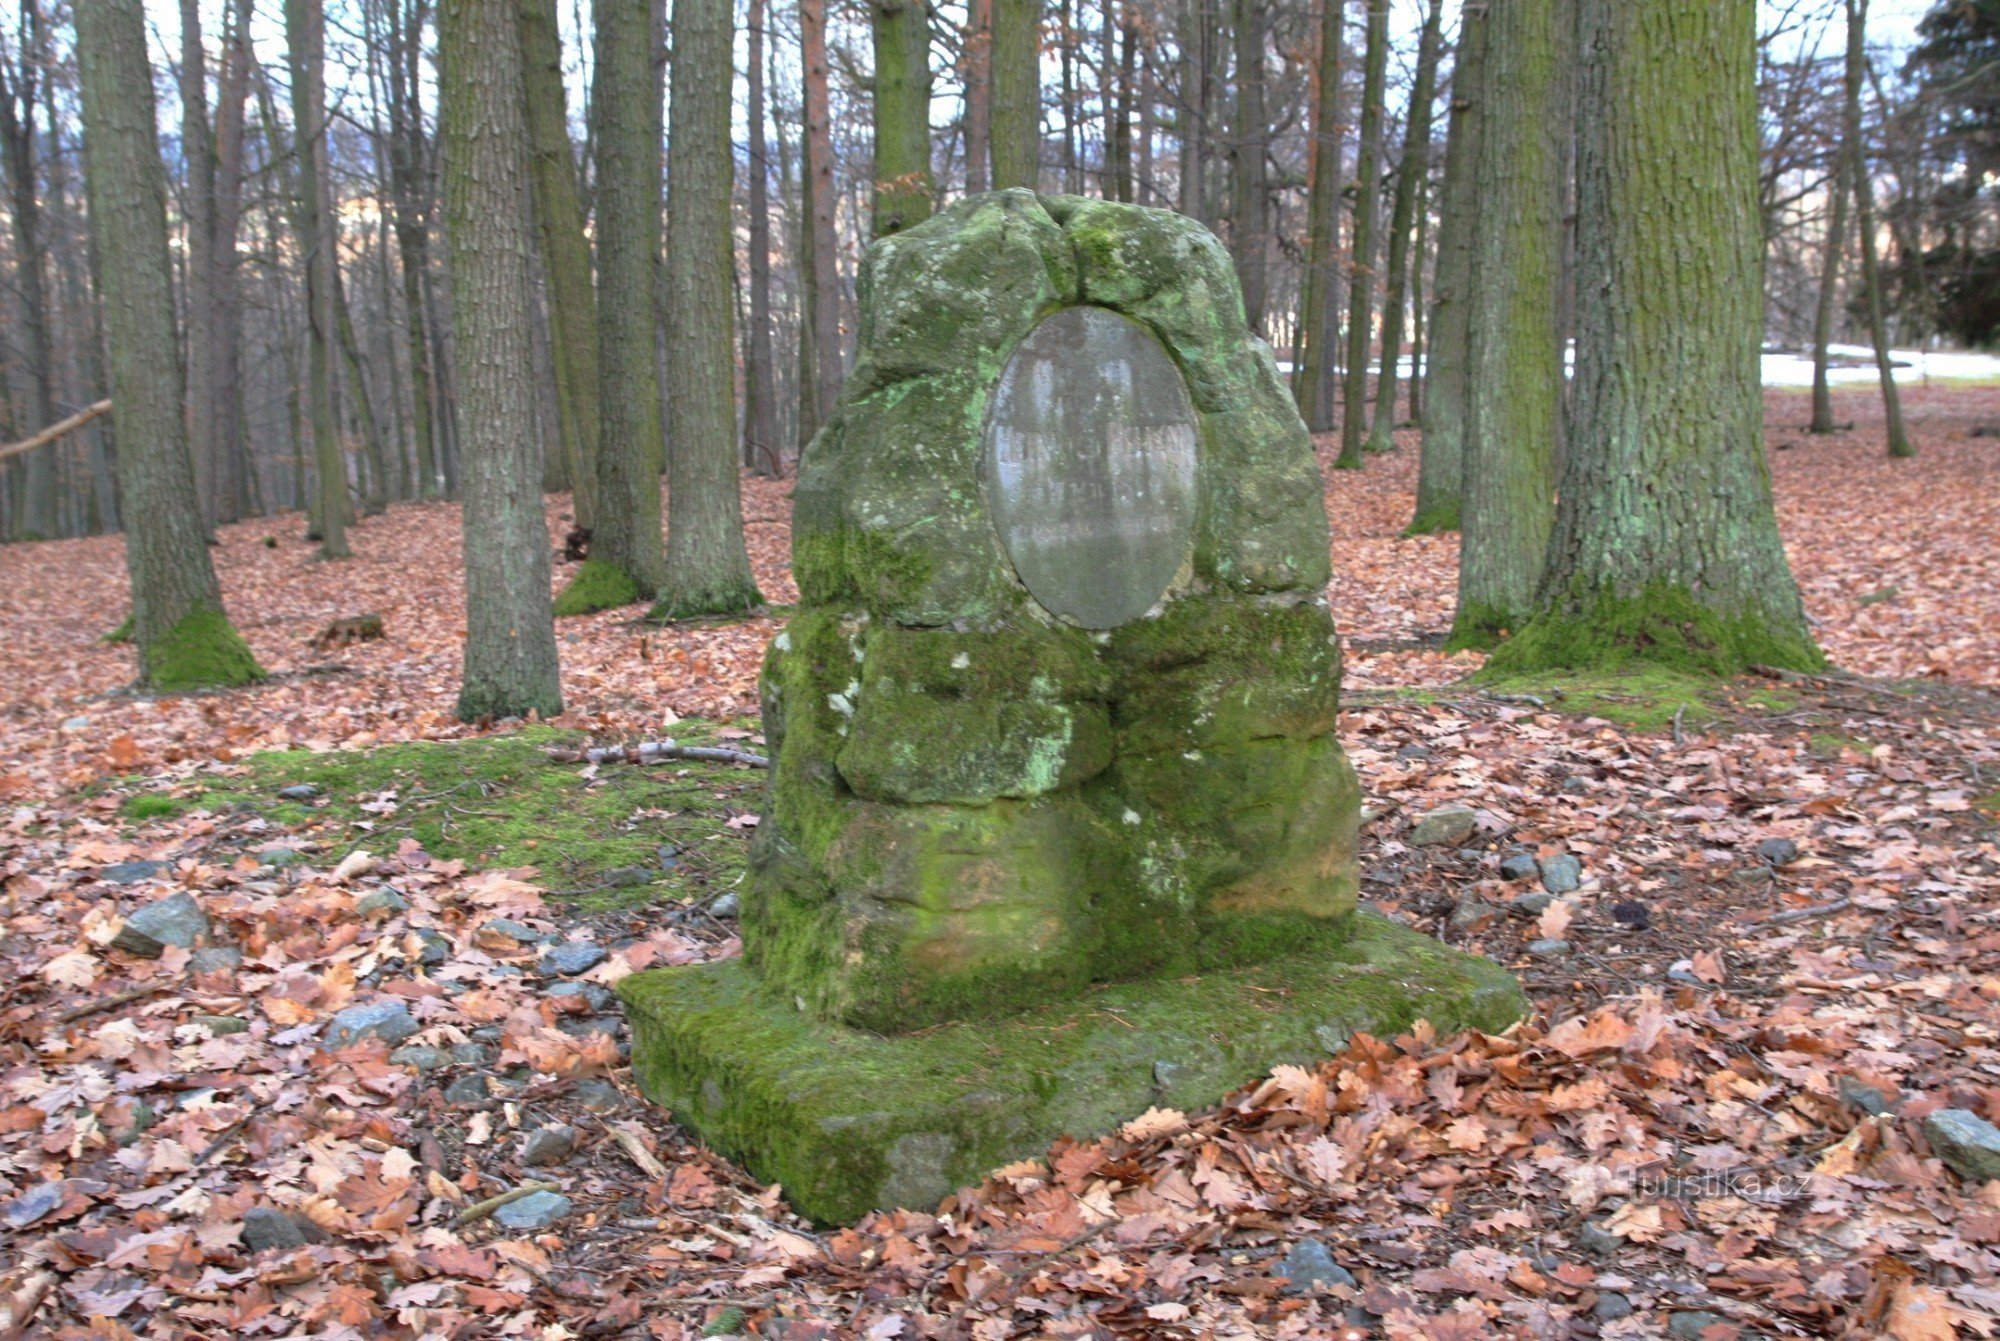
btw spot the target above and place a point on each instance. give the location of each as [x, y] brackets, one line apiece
[621, 877]
[1414, 752]
[40, 1200]
[471, 1054]
[1447, 826]
[1778, 851]
[383, 900]
[434, 949]
[298, 791]
[76, 724]
[597, 997]
[389, 1021]
[667, 852]
[1863, 1098]
[1561, 874]
[130, 872]
[174, 920]
[215, 959]
[1471, 913]
[218, 1025]
[1574, 785]
[265, 1227]
[1309, 1265]
[420, 1056]
[1611, 1306]
[1595, 1238]
[468, 1091]
[514, 931]
[277, 858]
[1519, 866]
[548, 1145]
[1548, 948]
[609, 1026]
[1967, 1143]
[537, 1210]
[572, 957]
[726, 906]
[1690, 1326]
[1165, 1072]
[599, 1096]
[1530, 904]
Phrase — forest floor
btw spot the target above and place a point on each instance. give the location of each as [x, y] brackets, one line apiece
[1782, 953]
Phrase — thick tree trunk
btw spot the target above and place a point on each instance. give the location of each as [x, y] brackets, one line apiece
[823, 287]
[978, 75]
[708, 570]
[1016, 84]
[565, 252]
[1666, 548]
[1409, 191]
[183, 637]
[1118, 111]
[510, 640]
[1315, 379]
[1248, 228]
[305, 45]
[761, 451]
[1361, 288]
[1441, 472]
[626, 560]
[902, 115]
[198, 207]
[1515, 361]
[1864, 218]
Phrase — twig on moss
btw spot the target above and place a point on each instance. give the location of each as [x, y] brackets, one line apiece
[657, 751]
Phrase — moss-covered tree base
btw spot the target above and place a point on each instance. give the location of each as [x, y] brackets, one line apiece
[697, 602]
[1438, 519]
[850, 1121]
[1662, 625]
[597, 586]
[203, 651]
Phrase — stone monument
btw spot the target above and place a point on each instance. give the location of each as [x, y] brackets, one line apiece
[1058, 827]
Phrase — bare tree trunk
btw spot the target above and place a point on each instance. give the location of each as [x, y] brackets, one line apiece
[1417, 364]
[35, 503]
[1515, 373]
[1441, 473]
[1249, 224]
[1118, 137]
[184, 639]
[1314, 378]
[198, 154]
[1361, 287]
[823, 283]
[1409, 189]
[232, 89]
[761, 451]
[565, 251]
[375, 493]
[903, 189]
[1864, 217]
[305, 40]
[1016, 93]
[708, 569]
[510, 641]
[406, 157]
[978, 74]
[1196, 75]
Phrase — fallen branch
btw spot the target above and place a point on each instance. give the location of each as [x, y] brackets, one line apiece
[56, 430]
[110, 1002]
[1802, 914]
[657, 751]
[479, 1210]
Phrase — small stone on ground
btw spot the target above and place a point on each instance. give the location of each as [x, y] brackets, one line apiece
[174, 920]
[1778, 851]
[1308, 1265]
[1967, 1143]
[572, 957]
[548, 1145]
[131, 872]
[537, 1210]
[1562, 874]
[389, 1021]
[1447, 826]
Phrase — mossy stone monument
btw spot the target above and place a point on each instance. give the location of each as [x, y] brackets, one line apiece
[1058, 827]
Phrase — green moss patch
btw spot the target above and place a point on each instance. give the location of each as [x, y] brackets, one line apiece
[1641, 697]
[498, 801]
[1663, 625]
[849, 1121]
[203, 651]
[597, 586]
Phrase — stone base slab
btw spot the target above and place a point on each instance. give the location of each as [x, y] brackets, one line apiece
[850, 1121]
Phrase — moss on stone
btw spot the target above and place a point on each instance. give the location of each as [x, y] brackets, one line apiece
[1662, 624]
[597, 585]
[203, 651]
[850, 1122]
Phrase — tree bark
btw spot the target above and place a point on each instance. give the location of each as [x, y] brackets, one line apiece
[184, 639]
[823, 286]
[198, 209]
[1666, 543]
[1315, 379]
[761, 451]
[305, 45]
[35, 499]
[1515, 358]
[232, 498]
[1367, 189]
[1441, 472]
[1829, 287]
[903, 188]
[375, 491]
[1118, 109]
[406, 157]
[1864, 218]
[626, 563]
[1016, 83]
[565, 252]
[1249, 228]
[510, 640]
[708, 570]
[1409, 191]
[978, 74]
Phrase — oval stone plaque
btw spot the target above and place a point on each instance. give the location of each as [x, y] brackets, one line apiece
[1089, 469]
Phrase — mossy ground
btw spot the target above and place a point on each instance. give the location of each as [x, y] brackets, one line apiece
[203, 651]
[1663, 625]
[597, 586]
[499, 802]
[849, 1121]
